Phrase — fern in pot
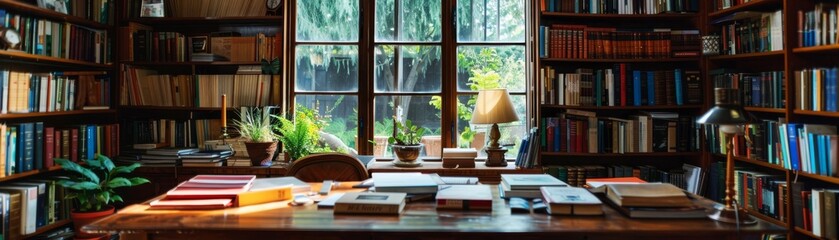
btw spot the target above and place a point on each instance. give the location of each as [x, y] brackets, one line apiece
[254, 125]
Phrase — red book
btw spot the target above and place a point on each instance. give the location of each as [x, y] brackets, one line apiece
[623, 83]
[465, 197]
[49, 147]
[57, 147]
[805, 210]
[74, 145]
[106, 140]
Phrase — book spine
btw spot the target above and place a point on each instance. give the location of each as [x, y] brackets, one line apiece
[366, 208]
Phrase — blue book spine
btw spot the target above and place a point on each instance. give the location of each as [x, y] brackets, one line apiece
[651, 88]
[551, 5]
[823, 151]
[812, 147]
[20, 158]
[543, 41]
[680, 100]
[28, 146]
[636, 87]
[39, 145]
[3, 74]
[31, 100]
[792, 145]
[756, 91]
[90, 141]
[11, 146]
[831, 90]
[556, 135]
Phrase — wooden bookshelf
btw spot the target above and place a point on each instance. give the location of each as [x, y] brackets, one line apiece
[756, 214]
[54, 114]
[817, 49]
[747, 56]
[51, 61]
[620, 60]
[34, 10]
[756, 162]
[589, 16]
[826, 179]
[47, 228]
[766, 110]
[623, 108]
[816, 113]
[623, 155]
[807, 233]
[238, 20]
[749, 6]
[29, 173]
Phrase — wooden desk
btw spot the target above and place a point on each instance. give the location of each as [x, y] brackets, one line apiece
[490, 175]
[420, 220]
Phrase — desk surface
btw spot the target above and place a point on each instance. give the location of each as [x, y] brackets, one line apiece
[420, 219]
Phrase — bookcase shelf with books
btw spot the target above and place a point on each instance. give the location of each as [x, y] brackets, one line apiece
[824, 49]
[33, 10]
[23, 58]
[604, 69]
[748, 56]
[11, 116]
[766, 110]
[26, 174]
[231, 20]
[728, 7]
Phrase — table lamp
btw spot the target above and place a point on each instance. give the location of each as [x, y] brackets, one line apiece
[493, 107]
[730, 116]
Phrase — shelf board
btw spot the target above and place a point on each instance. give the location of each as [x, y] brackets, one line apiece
[628, 108]
[210, 20]
[163, 108]
[766, 110]
[746, 56]
[750, 6]
[620, 60]
[807, 233]
[15, 55]
[661, 16]
[47, 228]
[817, 49]
[163, 64]
[29, 173]
[54, 114]
[756, 162]
[827, 179]
[647, 154]
[763, 217]
[816, 113]
[33, 10]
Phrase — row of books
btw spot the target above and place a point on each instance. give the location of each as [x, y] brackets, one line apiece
[764, 89]
[32, 146]
[142, 87]
[24, 92]
[528, 149]
[619, 6]
[583, 132]
[588, 42]
[58, 39]
[201, 8]
[177, 156]
[817, 89]
[820, 209]
[26, 206]
[157, 46]
[753, 33]
[621, 86]
[173, 133]
[761, 192]
[819, 26]
[725, 4]
[688, 177]
[94, 10]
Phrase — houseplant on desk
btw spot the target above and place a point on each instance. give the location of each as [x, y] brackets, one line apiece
[92, 186]
[254, 126]
[405, 143]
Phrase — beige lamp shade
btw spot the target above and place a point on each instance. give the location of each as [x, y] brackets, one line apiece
[494, 106]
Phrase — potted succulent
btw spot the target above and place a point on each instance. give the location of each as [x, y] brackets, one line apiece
[254, 126]
[405, 141]
[300, 135]
[92, 186]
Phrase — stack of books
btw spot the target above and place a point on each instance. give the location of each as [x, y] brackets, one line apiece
[459, 157]
[165, 156]
[526, 185]
[464, 197]
[223, 191]
[207, 158]
[411, 183]
[652, 200]
[571, 201]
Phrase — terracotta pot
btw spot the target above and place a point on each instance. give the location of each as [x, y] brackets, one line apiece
[407, 153]
[381, 145]
[433, 145]
[260, 153]
[83, 218]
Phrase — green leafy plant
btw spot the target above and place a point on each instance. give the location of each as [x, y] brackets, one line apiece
[93, 184]
[254, 124]
[406, 134]
[300, 135]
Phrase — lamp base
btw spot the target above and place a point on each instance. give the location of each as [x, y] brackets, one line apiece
[495, 157]
[730, 215]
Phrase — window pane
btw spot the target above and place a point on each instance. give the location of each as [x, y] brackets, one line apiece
[339, 112]
[327, 20]
[490, 20]
[407, 68]
[326, 68]
[485, 67]
[476, 136]
[421, 110]
[416, 20]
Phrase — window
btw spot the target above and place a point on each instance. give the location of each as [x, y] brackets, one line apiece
[405, 74]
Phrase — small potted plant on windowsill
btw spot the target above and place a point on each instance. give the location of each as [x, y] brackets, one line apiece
[254, 126]
[406, 144]
[92, 187]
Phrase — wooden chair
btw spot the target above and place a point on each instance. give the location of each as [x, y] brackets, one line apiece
[328, 166]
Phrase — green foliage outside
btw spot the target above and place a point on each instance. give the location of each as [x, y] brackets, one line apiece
[92, 185]
[300, 135]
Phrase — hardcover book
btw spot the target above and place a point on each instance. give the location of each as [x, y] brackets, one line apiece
[404, 182]
[370, 203]
[466, 197]
[530, 181]
[571, 201]
[647, 195]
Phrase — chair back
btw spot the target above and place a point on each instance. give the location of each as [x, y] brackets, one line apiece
[328, 166]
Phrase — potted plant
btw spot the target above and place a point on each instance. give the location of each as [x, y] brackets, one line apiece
[254, 126]
[92, 186]
[405, 141]
[300, 135]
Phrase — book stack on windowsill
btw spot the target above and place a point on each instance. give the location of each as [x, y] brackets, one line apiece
[459, 157]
